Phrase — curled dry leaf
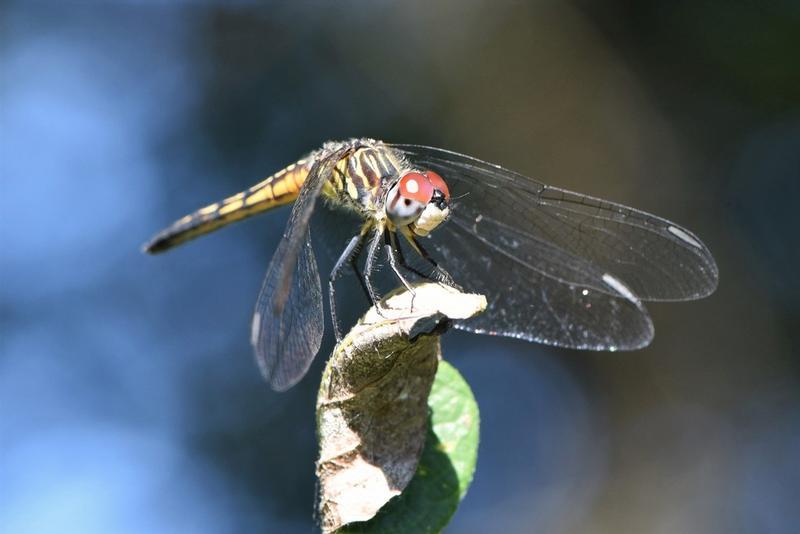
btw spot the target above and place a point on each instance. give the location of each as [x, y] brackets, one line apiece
[372, 413]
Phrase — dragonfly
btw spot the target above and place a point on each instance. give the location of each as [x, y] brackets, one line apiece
[557, 267]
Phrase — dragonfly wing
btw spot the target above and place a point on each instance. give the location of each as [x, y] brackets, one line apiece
[525, 301]
[288, 322]
[559, 267]
[656, 258]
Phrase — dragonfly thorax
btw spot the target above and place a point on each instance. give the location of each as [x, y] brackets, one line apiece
[360, 179]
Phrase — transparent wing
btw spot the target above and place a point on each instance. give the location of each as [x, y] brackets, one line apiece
[288, 322]
[525, 301]
[560, 267]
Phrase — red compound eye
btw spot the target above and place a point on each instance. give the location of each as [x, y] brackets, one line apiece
[416, 186]
[438, 183]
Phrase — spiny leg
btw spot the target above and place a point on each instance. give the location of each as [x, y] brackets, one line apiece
[369, 265]
[441, 275]
[360, 277]
[395, 257]
[401, 259]
[349, 256]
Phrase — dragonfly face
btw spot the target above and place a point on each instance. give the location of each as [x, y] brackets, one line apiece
[419, 201]
[557, 267]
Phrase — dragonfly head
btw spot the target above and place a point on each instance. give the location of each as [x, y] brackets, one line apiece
[419, 200]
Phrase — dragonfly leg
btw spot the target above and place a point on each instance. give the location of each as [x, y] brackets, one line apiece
[395, 257]
[368, 267]
[401, 259]
[349, 256]
[360, 277]
[439, 274]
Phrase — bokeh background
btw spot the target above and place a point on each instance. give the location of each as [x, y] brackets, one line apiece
[129, 401]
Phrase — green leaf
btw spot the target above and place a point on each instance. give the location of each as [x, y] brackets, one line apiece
[446, 467]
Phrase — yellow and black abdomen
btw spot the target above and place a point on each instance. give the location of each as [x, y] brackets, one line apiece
[279, 189]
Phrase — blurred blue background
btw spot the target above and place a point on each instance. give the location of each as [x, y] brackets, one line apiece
[129, 401]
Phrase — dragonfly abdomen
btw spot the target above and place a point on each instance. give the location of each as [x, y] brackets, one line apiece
[279, 189]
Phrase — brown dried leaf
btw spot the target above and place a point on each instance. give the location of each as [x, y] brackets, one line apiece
[372, 405]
